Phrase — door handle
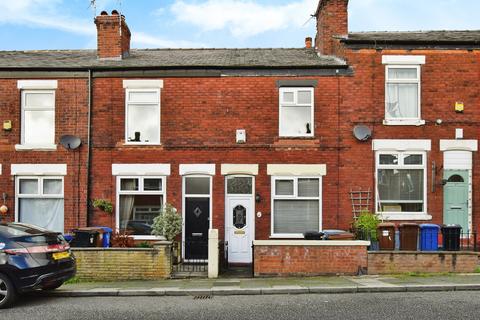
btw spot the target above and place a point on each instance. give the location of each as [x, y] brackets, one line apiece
[197, 234]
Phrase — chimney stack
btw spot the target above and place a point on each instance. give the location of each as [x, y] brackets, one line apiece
[308, 42]
[113, 36]
[332, 21]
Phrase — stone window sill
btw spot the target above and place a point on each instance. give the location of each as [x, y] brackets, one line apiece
[398, 216]
[27, 147]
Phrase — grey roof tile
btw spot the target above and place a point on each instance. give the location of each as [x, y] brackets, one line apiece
[465, 36]
[171, 58]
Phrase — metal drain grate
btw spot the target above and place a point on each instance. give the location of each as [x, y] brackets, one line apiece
[205, 297]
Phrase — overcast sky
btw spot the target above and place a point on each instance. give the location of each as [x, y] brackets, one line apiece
[68, 24]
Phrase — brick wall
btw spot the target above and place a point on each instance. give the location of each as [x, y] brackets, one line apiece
[422, 262]
[309, 260]
[71, 110]
[118, 264]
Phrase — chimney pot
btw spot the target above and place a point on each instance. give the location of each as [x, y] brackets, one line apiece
[308, 42]
[104, 13]
[115, 12]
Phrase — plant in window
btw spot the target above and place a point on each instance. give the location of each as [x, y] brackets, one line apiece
[365, 226]
[168, 223]
[103, 204]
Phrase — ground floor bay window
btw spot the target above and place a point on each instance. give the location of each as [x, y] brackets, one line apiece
[40, 201]
[140, 200]
[296, 205]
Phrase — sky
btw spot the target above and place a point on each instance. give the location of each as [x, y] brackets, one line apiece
[68, 24]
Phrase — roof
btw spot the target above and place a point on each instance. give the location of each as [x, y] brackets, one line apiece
[471, 37]
[171, 58]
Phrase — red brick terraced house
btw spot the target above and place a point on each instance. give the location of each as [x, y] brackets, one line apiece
[257, 143]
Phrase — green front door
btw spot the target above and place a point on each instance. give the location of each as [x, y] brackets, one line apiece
[455, 198]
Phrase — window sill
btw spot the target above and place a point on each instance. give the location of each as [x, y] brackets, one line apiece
[156, 238]
[399, 216]
[27, 147]
[140, 144]
[404, 122]
[287, 236]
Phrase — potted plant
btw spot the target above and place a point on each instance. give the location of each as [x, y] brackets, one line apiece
[103, 204]
[365, 228]
[169, 225]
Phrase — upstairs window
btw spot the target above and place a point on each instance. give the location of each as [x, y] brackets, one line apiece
[143, 116]
[296, 112]
[38, 117]
[402, 93]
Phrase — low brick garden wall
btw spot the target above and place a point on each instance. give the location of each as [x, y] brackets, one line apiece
[117, 264]
[309, 258]
[391, 262]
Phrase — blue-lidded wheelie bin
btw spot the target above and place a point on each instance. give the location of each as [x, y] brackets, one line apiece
[107, 233]
[429, 237]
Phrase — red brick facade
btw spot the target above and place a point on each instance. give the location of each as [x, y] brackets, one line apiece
[200, 115]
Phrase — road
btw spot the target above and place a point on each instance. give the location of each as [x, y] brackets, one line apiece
[437, 305]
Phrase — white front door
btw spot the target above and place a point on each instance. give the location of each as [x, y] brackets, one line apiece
[239, 218]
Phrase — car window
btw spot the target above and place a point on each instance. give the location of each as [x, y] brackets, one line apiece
[20, 230]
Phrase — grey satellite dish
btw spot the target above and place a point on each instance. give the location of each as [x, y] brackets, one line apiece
[362, 133]
[70, 142]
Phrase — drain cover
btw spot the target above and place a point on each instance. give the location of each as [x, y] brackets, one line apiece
[205, 297]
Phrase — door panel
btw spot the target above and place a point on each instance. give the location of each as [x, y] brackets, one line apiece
[455, 198]
[197, 220]
[239, 217]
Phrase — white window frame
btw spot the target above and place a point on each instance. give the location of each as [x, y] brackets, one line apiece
[401, 166]
[140, 191]
[23, 144]
[157, 103]
[293, 197]
[418, 81]
[282, 104]
[40, 194]
[185, 195]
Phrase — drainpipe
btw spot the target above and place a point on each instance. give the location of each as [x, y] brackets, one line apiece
[89, 143]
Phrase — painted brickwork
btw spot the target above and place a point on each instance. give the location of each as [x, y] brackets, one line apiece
[123, 264]
[272, 260]
[424, 262]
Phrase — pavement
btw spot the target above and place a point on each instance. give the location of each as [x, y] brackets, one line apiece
[269, 286]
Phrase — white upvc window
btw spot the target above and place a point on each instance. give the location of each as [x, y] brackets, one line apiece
[38, 118]
[296, 114]
[140, 200]
[401, 184]
[142, 121]
[296, 205]
[40, 201]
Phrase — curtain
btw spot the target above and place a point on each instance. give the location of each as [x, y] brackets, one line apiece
[400, 184]
[402, 100]
[126, 210]
[295, 216]
[45, 213]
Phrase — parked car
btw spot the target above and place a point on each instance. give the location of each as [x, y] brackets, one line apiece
[32, 258]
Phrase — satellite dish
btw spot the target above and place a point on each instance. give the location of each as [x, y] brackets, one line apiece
[70, 142]
[362, 133]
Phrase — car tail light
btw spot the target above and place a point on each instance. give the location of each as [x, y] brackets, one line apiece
[39, 249]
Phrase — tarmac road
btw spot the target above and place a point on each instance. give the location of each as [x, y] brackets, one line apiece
[409, 305]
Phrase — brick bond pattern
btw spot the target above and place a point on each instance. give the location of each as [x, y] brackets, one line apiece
[309, 260]
[123, 264]
[424, 262]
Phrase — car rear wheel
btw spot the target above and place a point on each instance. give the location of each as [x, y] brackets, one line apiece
[52, 286]
[8, 294]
